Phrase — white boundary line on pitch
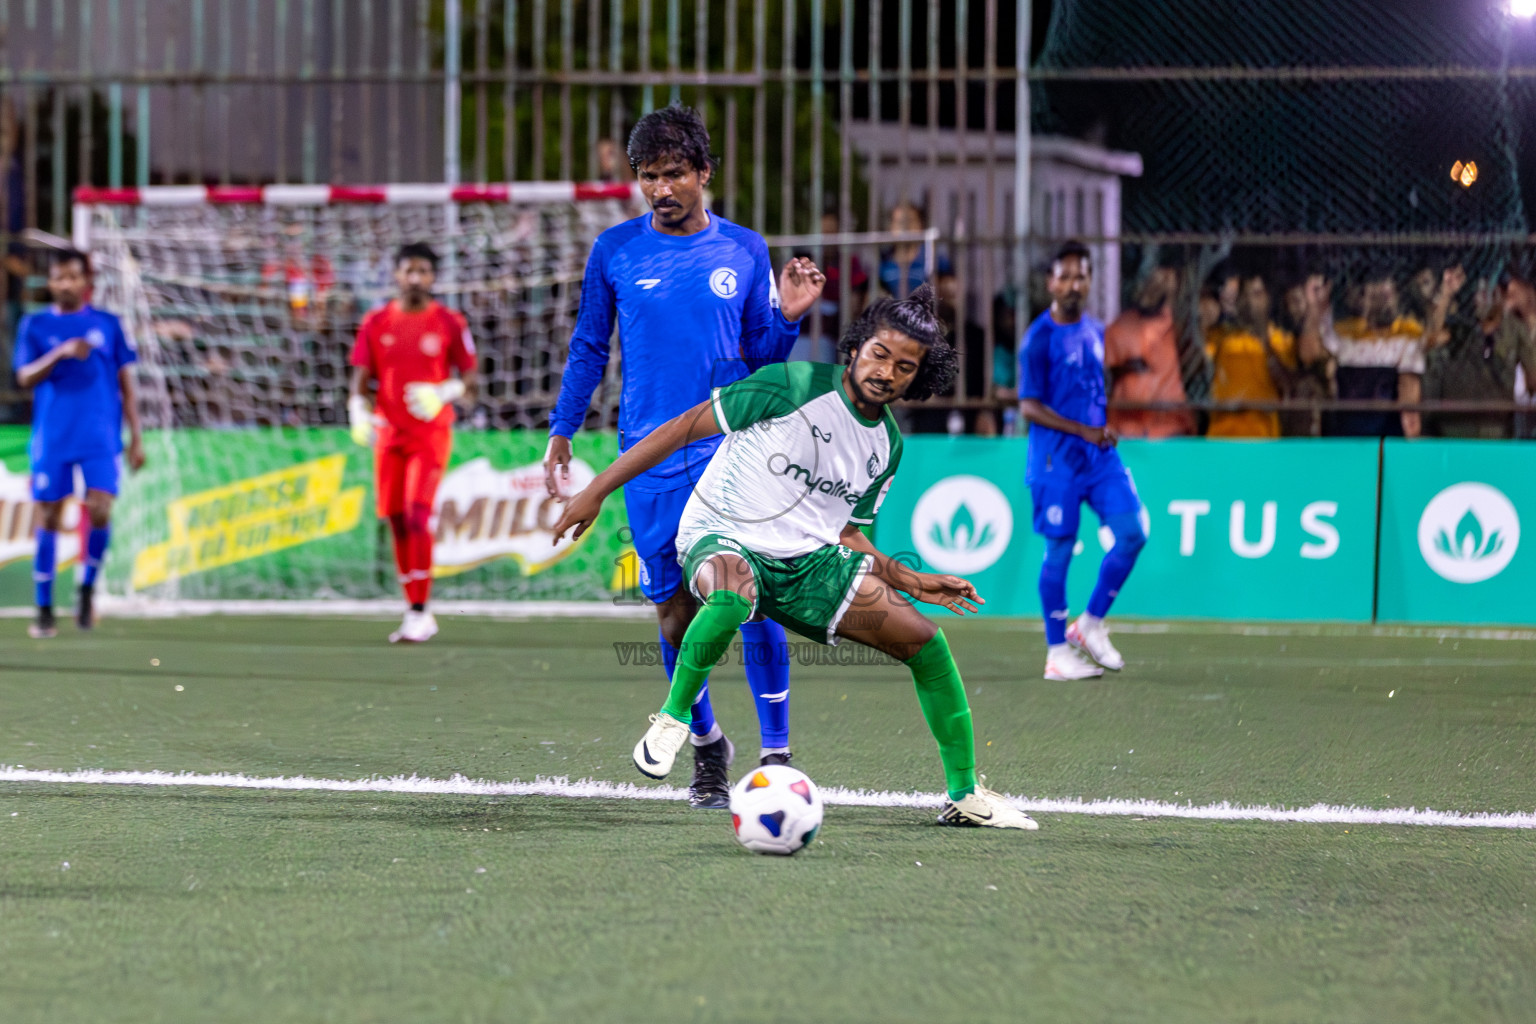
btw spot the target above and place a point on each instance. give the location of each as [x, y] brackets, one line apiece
[459, 785]
[383, 608]
[386, 608]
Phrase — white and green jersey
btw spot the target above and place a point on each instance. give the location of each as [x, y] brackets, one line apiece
[798, 464]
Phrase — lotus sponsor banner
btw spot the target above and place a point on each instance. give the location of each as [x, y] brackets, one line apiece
[1270, 530]
[962, 524]
[1451, 532]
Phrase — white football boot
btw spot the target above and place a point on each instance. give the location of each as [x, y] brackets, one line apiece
[415, 628]
[658, 748]
[985, 809]
[1064, 663]
[1091, 636]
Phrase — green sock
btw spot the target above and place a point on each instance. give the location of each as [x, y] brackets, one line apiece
[710, 632]
[942, 696]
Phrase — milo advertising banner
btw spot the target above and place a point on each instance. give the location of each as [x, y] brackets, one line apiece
[289, 513]
[1263, 530]
[1451, 544]
[16, 543]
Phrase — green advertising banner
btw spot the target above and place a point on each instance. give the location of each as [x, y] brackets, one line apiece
[1235, 530]
[1451, 545]
[289, 513]
[16, 544]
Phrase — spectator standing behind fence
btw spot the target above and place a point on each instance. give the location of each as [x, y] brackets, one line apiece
[901, 266]
[1380, 355]
[1480, 360]
[1141, 354]
[1005, 364]
[1520, 300]
[1313, 380]
[1250, 358]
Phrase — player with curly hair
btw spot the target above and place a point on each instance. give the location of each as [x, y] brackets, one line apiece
[773, 529]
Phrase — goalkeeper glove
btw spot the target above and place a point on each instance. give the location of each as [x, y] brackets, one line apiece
[425, 400]
[361, 419]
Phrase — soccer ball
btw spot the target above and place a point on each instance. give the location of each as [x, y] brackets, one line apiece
[775, 809]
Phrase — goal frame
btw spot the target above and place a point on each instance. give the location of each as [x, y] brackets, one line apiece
[86, 197]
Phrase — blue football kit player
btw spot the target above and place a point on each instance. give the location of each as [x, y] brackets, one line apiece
[694, 300]
[1072, 460]
[77, 359]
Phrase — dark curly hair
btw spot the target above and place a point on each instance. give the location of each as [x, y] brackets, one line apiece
[676, 131]
[917, 317]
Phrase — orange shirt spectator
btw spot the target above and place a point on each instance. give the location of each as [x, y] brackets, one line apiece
[1141, 354]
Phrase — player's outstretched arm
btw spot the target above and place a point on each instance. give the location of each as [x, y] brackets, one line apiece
[37, 371]
[952, 592]
[694, 425]
[130, 392]
[1036, 411]
[585, 363]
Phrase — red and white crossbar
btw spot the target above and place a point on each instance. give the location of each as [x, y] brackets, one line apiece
[325, 195]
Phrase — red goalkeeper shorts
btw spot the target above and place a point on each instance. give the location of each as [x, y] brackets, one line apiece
[409, 470]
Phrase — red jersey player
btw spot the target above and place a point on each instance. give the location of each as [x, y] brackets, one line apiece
[409, 347]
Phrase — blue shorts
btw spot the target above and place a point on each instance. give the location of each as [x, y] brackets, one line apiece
[1060, 488]
[55, 480]
[653, 519]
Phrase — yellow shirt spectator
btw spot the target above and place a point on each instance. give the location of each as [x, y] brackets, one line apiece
[1241, 364]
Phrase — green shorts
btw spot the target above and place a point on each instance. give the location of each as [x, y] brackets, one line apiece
[809, 593]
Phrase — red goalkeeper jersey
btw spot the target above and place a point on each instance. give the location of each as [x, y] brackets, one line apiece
[402, 348]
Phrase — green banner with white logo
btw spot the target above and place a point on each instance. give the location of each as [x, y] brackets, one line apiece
[1235, 530]
[1451, 544]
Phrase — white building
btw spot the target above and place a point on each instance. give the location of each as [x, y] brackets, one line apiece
[966, 187]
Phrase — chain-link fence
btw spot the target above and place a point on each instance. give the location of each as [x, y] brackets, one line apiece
[1276, 140]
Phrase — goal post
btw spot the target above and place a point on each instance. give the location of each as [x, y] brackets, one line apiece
[244, 303]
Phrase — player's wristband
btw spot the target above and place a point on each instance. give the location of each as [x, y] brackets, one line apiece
[450, 390]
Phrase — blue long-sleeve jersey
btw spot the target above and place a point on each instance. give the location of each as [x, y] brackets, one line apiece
[695, 312]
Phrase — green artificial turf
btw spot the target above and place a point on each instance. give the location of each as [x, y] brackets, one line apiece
[199, 904]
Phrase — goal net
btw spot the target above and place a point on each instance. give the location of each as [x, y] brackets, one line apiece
[244, 303]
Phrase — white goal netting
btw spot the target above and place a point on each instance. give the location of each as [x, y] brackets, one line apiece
[244, 304]
[245, 311]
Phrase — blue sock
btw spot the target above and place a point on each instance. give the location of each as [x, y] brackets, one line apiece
[1053, 587]
[43, 565]
[703, 712]
[766, 653]
[1130, 538]
[95, 550]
